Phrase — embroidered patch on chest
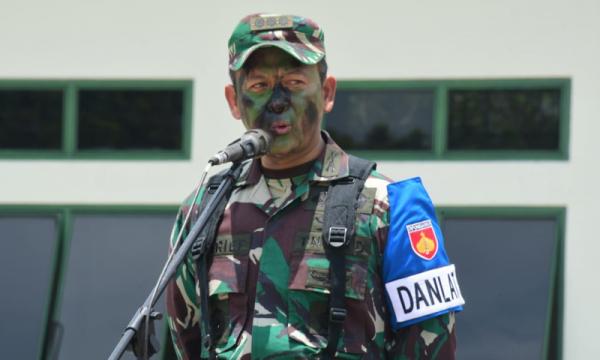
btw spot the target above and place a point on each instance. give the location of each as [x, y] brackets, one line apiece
[318, 278]
[232, 245]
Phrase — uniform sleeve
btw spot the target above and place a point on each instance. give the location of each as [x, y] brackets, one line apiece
[407, 259]
[433, 338]
[182, 305]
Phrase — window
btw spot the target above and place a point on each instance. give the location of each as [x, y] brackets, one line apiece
[383, 119]
[113, 262]
[95, 119]
[510, 267]
[31, 119]
[70, 270]
[475, 119]
[504, 119]
[130, 119]
[29, 242]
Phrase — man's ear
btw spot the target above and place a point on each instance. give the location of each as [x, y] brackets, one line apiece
[231, 98]
[329, 86]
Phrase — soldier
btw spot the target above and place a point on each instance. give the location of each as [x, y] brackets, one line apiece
[282, 281]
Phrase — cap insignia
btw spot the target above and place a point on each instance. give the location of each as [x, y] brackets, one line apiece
[263, 23]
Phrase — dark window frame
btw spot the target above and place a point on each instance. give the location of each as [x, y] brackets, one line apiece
[70, 90]
[440, 88]
[553, 339]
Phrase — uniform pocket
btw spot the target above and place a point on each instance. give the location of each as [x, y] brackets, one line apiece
[308, 302]
[227, 299]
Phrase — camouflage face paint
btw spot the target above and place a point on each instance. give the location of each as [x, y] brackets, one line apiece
[283, 97]
[278, 103]
[312, 113]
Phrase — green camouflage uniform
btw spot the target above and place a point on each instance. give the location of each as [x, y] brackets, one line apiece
[269, 282]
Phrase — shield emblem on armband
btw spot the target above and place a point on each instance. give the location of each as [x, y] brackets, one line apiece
[422, 239]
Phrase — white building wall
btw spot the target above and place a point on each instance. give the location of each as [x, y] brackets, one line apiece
[368, 40]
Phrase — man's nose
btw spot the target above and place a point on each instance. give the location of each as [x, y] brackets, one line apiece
[278, 106]
[280, 100]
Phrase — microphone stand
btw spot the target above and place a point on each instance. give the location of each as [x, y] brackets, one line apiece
[141, 339]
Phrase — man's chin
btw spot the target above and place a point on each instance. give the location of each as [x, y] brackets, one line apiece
[279, 153]
[282, 146]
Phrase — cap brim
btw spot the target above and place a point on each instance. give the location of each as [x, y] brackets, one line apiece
[299, 51]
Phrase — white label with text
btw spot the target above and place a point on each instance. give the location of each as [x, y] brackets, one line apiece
[424, 293]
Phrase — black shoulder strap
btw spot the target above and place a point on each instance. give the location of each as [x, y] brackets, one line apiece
[204, 239]
[359, 167]
[200, 250]
[338, 229]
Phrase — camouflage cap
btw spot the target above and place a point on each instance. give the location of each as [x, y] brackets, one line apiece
[296, 35]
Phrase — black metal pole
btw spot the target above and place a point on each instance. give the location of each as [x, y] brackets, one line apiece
[133, 328]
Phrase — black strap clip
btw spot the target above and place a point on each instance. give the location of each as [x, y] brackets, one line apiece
[338, 236]
[197, 247]
[212, 188]
[337, 315]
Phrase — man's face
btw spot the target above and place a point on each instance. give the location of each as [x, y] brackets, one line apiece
[278, 94]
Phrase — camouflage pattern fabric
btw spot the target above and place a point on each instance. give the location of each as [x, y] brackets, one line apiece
[296, 35]
[269, 282]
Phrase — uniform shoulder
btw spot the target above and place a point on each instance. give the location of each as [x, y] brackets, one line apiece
[376, 188]
[213, 180]
[378, 181]
[375, 174]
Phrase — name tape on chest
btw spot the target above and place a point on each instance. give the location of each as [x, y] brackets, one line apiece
[425, 293]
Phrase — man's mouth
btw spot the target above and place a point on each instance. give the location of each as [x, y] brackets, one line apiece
[280, 127]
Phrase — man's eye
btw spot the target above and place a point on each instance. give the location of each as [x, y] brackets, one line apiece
[258, 86]
[294, 82]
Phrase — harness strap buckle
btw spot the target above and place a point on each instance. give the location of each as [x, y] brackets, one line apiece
[337, 315]
[337, 236]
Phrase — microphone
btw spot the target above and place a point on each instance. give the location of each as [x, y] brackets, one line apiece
[254, 143]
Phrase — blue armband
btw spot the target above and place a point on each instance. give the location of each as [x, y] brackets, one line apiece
[420, 282]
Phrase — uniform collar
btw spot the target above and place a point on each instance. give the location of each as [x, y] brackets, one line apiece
[332, 164]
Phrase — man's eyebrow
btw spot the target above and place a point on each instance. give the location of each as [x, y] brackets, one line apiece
[255, 74]
[296, 70]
